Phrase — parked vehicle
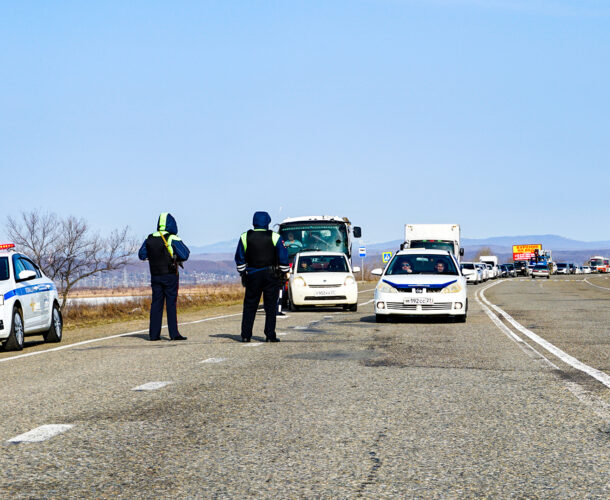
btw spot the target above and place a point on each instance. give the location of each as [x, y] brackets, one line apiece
[484, 270]
[322, 279]
[421, 282]
[472, 272]
[599, 264]
[492, 262]
[541, 271]
[563, 268]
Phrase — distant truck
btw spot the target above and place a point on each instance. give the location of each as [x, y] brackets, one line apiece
[434, 237]
[492, 260]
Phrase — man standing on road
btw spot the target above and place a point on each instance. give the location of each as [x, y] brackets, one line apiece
[262, 261]
[165, 251]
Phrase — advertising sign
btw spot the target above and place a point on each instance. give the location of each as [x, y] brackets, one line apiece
[525, 252]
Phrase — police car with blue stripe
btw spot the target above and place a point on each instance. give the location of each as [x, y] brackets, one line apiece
[29, 304]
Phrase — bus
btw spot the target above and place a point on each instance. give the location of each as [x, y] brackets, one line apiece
[599, 264]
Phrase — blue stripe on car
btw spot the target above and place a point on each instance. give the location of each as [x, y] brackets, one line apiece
[27, 290]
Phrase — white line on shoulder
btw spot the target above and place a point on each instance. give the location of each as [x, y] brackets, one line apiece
[41, 433]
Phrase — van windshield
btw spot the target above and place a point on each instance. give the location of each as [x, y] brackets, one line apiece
[303, 236]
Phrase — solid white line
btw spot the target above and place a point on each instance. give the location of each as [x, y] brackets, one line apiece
[213, 360]
[151, 386]
[253, 344]
[604, 378]
[281, 334]
[364, 291]
[596, 286]
[127, 334]
[367, 302]
[41, 433]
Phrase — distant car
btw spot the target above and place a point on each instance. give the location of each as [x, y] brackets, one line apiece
[503, 271]
[484, 270]
[541, 271]
[563, 268]
[521, 268]
[512, 272]
[572, 268]
[472, 272]
[586, 269]
[421, 282]
[322, 279]
[29, 304]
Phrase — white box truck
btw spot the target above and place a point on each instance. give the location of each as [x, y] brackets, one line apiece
[434, 237]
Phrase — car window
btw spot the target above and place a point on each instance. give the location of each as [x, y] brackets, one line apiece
[4, 271]
[322, 263]
[30, 266]
[422, 264]
[18, 266]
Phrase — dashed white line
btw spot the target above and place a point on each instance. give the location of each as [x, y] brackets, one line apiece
[213, 360]
[151, 386]
[253, 344]
[281, 334]
[41, 433]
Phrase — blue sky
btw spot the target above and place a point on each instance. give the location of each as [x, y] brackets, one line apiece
[492, 114]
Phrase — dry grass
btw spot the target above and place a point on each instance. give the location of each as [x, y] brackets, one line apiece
[192, 298]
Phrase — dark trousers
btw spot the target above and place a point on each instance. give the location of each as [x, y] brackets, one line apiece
[260, 282]
[164, 289]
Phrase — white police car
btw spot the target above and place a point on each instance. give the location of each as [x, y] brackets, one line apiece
[421, 282]
[29, 304]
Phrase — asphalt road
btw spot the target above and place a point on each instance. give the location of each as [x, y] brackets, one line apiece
[342, 407]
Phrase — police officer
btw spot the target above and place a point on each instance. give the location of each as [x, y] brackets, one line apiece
[262, 260]
[165, 251]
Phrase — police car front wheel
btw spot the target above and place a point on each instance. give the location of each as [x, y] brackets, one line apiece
[15, 338]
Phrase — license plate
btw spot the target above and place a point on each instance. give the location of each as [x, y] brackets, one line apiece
[324, 293]
[420, 300]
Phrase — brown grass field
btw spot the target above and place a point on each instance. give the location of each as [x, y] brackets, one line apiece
[190, 299]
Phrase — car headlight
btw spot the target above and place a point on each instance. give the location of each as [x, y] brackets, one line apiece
[453, 288]
[385, 288]
[349, 281]
[298, 281]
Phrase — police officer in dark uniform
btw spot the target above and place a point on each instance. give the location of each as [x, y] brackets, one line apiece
[262, 262]
[165, 251]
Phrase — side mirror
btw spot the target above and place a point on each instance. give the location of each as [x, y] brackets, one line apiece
[461, 252]
[377, 271]
[27, 275]
[357, 232]
[355, 269]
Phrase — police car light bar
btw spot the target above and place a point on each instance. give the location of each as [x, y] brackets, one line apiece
[6, 246]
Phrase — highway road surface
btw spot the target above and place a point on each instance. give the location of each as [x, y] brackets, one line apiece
[513, 404]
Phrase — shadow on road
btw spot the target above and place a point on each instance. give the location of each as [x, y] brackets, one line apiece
[425, 320]
[236, 338]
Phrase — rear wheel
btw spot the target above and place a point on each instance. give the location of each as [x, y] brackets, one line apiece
[353, 307]
[53, 334]
[15, 338]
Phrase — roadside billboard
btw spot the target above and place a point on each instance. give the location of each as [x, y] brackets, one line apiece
[525, 252]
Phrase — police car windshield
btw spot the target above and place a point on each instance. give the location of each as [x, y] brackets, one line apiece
[422, 264]
[4, 272]
[322, 264]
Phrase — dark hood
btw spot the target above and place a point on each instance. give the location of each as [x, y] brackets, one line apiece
[167, 223]
[261, 220]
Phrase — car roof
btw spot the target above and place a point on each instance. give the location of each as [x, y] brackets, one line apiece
[419, 251]
[320, 253]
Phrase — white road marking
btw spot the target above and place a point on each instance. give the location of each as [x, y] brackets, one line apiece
[364, 291]
[253, 344]
[213, 360]
[41, 433]
[602, 377]
[281, 334]
[284, 316]
[300, 327]
[367, 302]
[596, 286]
[84, 342]
[151, 386]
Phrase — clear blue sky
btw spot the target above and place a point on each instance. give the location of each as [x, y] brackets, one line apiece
[492, 114]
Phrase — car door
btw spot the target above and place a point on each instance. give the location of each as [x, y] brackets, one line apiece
[27, 292]
[41, 293]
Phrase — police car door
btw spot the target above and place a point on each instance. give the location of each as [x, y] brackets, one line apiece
[43, 313]
[27, 293]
